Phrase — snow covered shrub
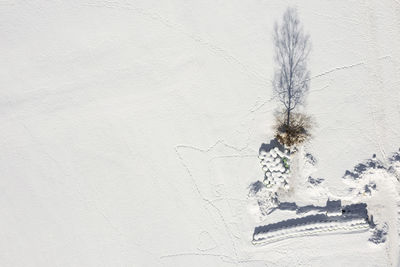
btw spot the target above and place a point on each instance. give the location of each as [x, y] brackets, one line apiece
[296, 132]
[315, 181]
[379, 234]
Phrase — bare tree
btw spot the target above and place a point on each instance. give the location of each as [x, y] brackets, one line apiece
[292, 47]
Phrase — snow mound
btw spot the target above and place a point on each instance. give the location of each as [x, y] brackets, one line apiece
[315, 181]
[275, 164]
[363, 168]
[266, 200]
[379, 235]
[362, 179]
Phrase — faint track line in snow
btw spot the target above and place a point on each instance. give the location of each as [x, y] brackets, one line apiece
[233, 156]
[82, 197]
[39, 144]
[321, 89]
[385, 57]
[337, 69]
[224, 258]
[230, 199]
[208, 202]
[375, 78]
[179, 28]
[256, 108]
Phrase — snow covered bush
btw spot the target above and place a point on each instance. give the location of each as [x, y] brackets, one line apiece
[296, 132]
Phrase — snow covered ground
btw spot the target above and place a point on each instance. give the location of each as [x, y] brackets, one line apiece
[130, 131]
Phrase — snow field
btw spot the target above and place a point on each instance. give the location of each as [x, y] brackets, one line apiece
[95, 90]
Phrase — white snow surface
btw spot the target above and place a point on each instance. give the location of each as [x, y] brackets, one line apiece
[130, 130]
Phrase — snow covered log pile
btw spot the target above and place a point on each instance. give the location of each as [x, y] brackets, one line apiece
[353, 218]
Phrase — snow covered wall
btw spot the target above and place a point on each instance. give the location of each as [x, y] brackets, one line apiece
[350, 218]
